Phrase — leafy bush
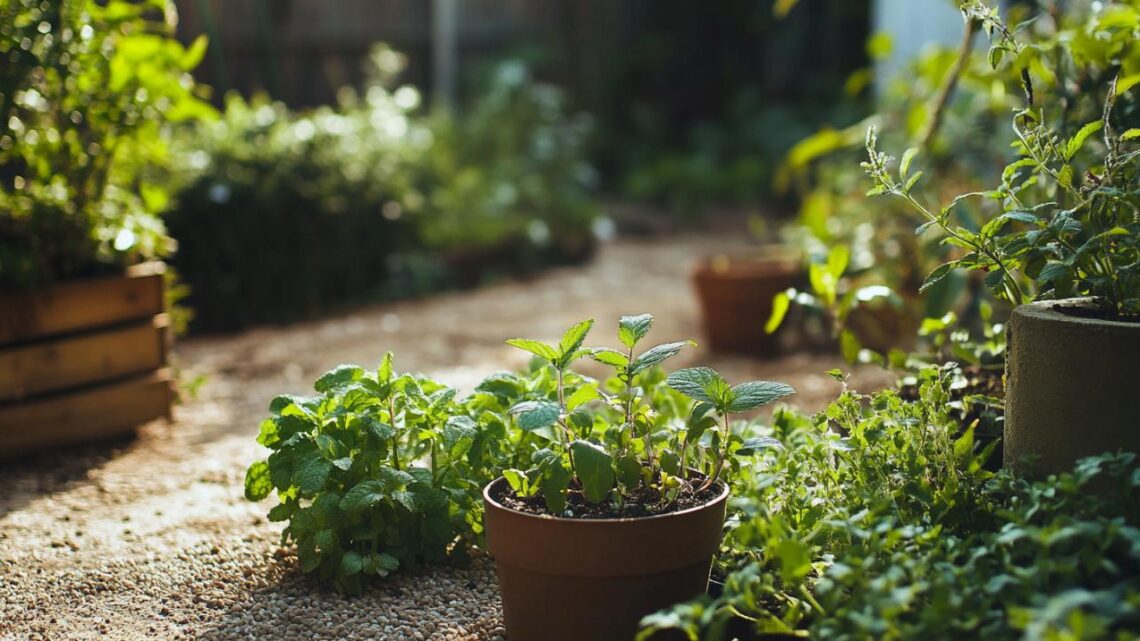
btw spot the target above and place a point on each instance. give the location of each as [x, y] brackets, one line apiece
[285, 215]
[1062, 223]
[87, 92]
[871, 521]
[379, 472]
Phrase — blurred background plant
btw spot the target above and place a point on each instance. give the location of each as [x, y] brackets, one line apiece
[88, 93]
[953, 105]
[285, 215]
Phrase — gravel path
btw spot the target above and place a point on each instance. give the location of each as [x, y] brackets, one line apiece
[150, 538]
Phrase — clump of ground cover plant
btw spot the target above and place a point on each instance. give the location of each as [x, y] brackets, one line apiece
[382, 471]
[873, 520]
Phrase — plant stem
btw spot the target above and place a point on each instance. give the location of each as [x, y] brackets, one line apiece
[566, 428]
[395, 439]
[721, 456]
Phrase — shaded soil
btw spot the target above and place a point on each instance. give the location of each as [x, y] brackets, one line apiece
[151, 538]
[641, 502]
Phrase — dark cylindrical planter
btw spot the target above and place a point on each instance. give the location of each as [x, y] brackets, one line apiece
[1070, 386]
[736, 295]
[577, 579]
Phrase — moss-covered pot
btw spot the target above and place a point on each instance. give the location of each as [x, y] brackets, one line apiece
[1071, 385]
[575, 579]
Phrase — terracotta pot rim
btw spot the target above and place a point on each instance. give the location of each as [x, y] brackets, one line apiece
[546, 518]
[1046, 311]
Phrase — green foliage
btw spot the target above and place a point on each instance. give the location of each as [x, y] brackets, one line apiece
[87, 94]
[641, 434]
[373, 199]
[1063, 221]
[873, 520]
[380, 471]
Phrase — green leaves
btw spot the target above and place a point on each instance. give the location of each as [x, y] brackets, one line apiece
[533, 415]
[747, 396]
[568, 350]
[538, 348]
[595, 469]
[257, 482]
[338, 377]
[655, 356]
[632, 329]
[705, 384]
[702, 384]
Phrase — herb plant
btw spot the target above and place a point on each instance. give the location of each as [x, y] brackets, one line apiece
[874, 519]
[626, 451]
[378, 472]
[1064, 221]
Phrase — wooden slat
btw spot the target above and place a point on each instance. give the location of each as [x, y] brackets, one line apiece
[83, 416]
[78, 360]
[81, 304]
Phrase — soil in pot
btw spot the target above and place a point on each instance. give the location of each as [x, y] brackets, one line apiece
[735, 295]
[570, 579]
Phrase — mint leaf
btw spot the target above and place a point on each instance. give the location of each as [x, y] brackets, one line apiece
[538, 348]
[351, 563]
[755, 394]
[312, 472]
[702, 384]
[533, 415]
[610, 357]
[595, 470]
[572, 341]
[632, 329]
[757, 443]
[257, 481]
[338, 377]
[655, 356]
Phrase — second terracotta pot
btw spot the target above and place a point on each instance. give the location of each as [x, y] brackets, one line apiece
[575, 579]
[736, 295]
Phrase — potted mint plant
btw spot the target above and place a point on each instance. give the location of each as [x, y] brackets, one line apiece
[1061, 242]
[621, 502]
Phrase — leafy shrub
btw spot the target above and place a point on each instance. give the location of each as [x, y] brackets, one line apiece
[87, 92]
[871, 521]
[285, 215]
[379, 472]
[1062, 223]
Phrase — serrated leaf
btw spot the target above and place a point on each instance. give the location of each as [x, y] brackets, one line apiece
[632, 329]
[553, 482]
[1075, 143]
[582, 395]
[257, 481]
[281, 512]
[312, 472]
[538, 348]
[279, 403]
[753, 394]
[940, 272]
[629, 470]
[758, 443]
[338, 377]
[1130, 134]
[610, 357]
[655, 356]
[572, 341]
[532, 415]
[701, 384]
[595, 470]
[1054, 271]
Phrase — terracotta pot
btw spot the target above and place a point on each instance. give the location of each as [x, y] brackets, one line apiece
[576, 579]
[736, 294]
[1070, 386]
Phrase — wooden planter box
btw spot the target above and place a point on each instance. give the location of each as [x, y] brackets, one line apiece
[83, 360]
